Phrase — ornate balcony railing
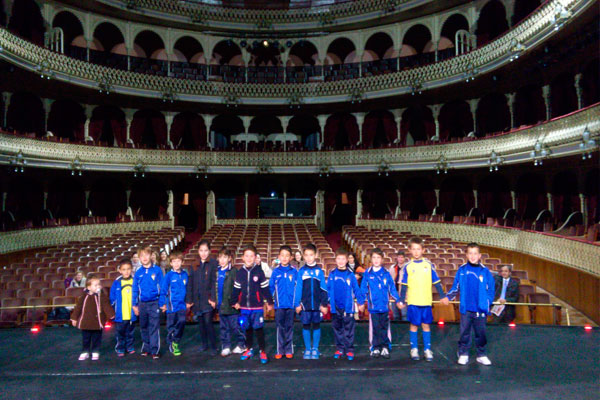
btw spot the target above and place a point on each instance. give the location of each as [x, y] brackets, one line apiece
[559, 137]
[534, 30]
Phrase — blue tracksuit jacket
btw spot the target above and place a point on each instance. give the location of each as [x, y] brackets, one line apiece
[377, 287]
[173, 290]
[311, 289]
[146, 284]
[283, 286]
[485, 289]
[116, 299]
[351, 289]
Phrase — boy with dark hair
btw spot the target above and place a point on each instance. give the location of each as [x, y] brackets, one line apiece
[173, 291]
[476, 286]
[228, 316]
[201, 294]
[121, 299]
[377, 286]
[250, 292]
[419, 275]
[311, 301]
[146, 291]
[283, 287]
[343, 290]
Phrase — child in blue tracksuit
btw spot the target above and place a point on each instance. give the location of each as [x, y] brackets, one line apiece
[283, 288]
[121, 300]
[172, 301]
[377, 286]
[310, 301]
[476, 286]
[343, 289]
[146, 291]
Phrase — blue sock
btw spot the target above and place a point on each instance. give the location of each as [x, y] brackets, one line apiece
[316, 338]
[414, 340]
[427, 340]
[306, 336]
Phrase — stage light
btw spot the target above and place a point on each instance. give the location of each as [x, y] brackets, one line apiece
[440, 323]
[35, 329]
[265, 43]
[588, 327]
[512, 325]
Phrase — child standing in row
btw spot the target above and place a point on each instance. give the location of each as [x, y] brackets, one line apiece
[172, 301]
[201, 294]
[91, 312]
[419, 275]
[311, 301]
[228, 316]
[121, 298]
[377, 286]
[146, 291]
[250, 292]
[283, 288]
[343, 290]
[476, 286]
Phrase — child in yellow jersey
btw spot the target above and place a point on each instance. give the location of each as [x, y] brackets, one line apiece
[419, 275]
[121, 300]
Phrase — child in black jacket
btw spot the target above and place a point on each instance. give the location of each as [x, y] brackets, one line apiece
[250, 291]
[201, 293]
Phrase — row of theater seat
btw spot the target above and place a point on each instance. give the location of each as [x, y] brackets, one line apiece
[40, 280]
[266, 238]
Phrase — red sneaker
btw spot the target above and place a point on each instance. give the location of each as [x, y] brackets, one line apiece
[338, 354]
[263, 357]
[278, 356]
[289, 356]
[350, 356]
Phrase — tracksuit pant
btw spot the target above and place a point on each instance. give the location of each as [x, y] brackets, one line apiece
[91, 340]
[124, 336]
[230, 332]
[175, 326]
[379, 330]
[284, 318]
[207, 331]
[476, 322]
[149, 323]
[343, 331]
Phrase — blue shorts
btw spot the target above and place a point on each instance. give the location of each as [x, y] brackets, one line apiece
[310, 317]
[251, 319]
[418, 315]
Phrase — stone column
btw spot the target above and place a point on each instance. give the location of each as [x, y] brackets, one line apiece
[579, 90]
[398, 118]
[473, 103]
[435, 110]
[510, 97]
[547, 101]
[6, 96]
[322, 122]
[360, 119]
[169, 121]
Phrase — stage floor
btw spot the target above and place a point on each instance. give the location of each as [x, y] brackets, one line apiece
[529, 362]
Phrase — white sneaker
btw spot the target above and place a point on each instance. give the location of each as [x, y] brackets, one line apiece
[463, 360]
[414, 354]
[385, 353]
[239, 350]
[428, 355]
[225, 352]
[95, 356]
[484, 360]
[84, 356]
[375, 353]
